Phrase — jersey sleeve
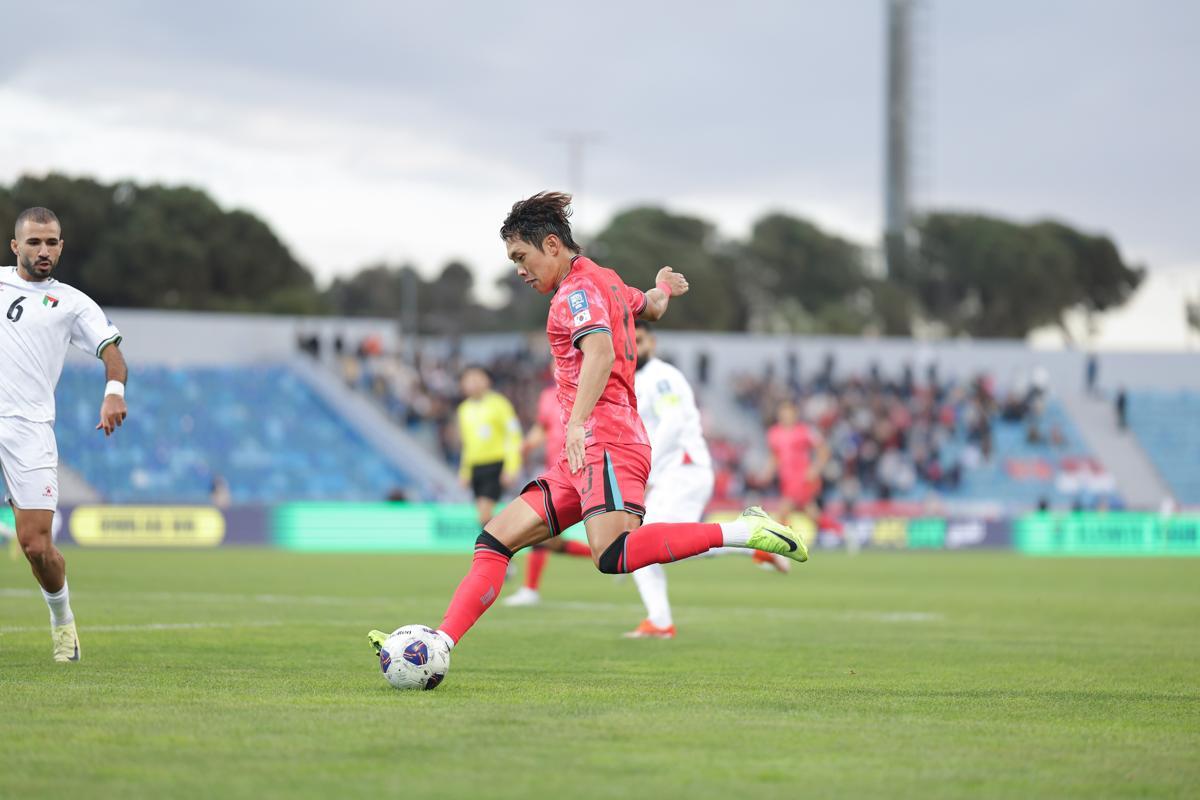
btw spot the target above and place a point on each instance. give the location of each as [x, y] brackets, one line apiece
[582, 308]
[636, 299]
[91, 331]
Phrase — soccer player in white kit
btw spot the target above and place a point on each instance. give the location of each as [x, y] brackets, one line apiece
[681, 473]
[40, 318]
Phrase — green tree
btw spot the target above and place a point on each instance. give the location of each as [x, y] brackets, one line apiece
[445, 305]
[522, 309]
[800, 278]
[639, 242]
[377, 290]
[166, 247]
[989, 277]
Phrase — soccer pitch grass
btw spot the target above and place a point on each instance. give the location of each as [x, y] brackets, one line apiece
[246, 673]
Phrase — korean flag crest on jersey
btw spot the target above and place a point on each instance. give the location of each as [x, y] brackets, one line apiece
[578, 303]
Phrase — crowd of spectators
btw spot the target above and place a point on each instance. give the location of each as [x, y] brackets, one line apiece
[420, 390]
[888, 435]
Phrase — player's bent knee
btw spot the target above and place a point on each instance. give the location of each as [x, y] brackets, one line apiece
[611, 561]
[486, 541]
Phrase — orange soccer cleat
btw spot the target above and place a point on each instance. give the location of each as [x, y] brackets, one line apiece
[648, 630]
[772, 561]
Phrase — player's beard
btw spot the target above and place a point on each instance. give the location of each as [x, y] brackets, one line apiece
[31, 267]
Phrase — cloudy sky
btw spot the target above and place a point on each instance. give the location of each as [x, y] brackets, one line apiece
[403, 131]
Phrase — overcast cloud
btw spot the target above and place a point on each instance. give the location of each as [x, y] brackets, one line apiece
[368, 130]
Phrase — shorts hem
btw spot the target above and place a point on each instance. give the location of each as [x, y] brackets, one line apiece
[20, 507]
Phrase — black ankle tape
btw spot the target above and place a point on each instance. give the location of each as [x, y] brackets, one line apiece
[610, 559]
[489, 542]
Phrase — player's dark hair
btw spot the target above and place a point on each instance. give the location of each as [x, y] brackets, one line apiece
[643, 325]
[42, 216]
[477, 368]
[533, 219]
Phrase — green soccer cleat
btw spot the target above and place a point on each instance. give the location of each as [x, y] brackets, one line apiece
[772, 536]
[377, 638]
[66, 642]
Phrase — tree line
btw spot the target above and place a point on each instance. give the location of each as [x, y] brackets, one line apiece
[153, 246]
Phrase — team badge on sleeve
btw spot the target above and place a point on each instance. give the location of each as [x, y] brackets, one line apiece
[578, 303]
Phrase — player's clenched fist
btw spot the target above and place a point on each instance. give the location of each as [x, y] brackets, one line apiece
[673, 279]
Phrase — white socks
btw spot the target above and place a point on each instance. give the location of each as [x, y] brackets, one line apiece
[735, 533]
[60, 606]
[445, 638]
[729, 551]
[652, 585]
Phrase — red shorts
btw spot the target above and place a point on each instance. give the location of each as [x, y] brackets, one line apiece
[800, 489]
[613, 478]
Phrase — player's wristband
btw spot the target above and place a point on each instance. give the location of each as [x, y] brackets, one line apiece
[114, 387]
[663, 287]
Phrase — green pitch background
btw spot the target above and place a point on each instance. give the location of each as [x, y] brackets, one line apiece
[246, 673]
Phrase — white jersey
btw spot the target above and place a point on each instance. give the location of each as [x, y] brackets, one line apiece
[668, 410]
[37, 322]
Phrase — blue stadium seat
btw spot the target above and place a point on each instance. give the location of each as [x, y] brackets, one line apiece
[260, 428]
[1167, 424]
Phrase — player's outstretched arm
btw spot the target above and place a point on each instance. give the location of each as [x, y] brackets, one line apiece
[112, 408]
[667, 284]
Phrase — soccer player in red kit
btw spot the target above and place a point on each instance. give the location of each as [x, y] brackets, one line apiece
[798, 456]
[601, 476]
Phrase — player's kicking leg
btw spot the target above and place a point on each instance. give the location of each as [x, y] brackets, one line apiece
[516, 527]
[614, 500]
[33, 533]
[664, 542]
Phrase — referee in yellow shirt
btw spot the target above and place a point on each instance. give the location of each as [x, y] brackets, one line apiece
[491, 441]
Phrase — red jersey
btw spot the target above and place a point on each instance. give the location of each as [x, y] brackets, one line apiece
[550, 418]
[792, 447]
[594, 299]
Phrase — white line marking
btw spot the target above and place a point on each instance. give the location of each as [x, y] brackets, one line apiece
[901, 616]
[216, 597]
[150, 626]
[815, 613]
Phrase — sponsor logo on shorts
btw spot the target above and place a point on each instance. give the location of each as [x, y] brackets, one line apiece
[49, 492]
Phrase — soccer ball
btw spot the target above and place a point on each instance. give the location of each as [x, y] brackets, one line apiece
[414, 657]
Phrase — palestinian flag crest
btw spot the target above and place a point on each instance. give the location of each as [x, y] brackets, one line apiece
[50, 300]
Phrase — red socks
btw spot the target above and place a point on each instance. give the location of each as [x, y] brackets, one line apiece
[664, 542]
[534, 566]
[476, 593]
[573, 548]
[537, 560]
[659, 543]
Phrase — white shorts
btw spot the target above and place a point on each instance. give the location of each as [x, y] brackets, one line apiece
[29, 461]
[679, 495]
